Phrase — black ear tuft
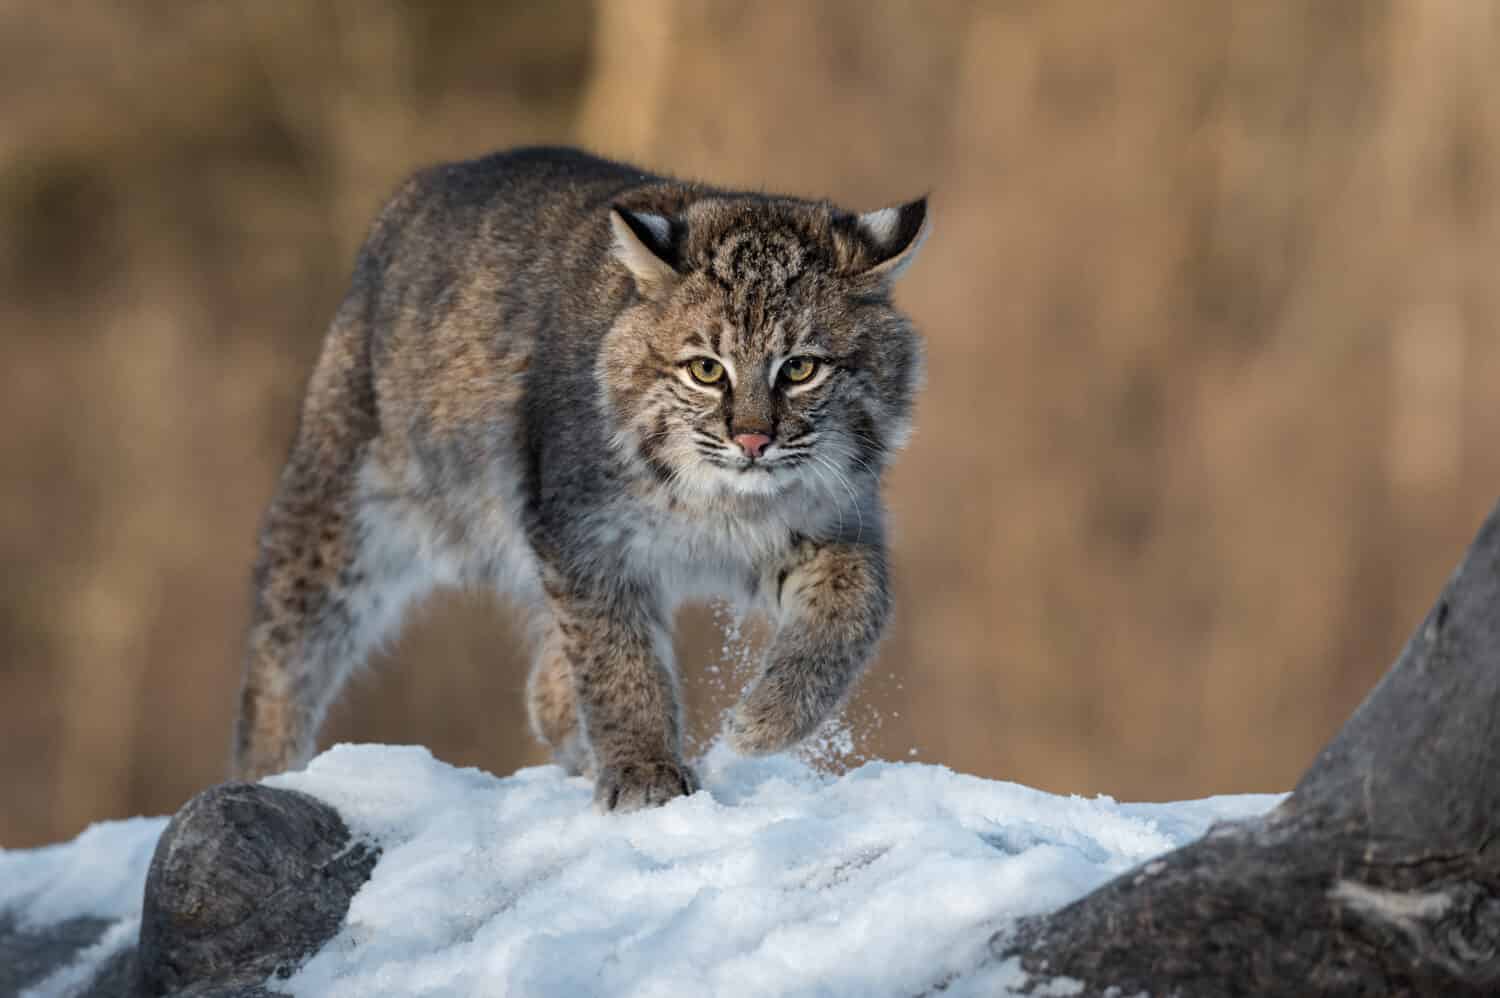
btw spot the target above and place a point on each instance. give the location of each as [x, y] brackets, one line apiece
[894, 235]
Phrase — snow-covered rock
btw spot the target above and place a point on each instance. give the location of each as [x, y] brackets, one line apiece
[776, 879]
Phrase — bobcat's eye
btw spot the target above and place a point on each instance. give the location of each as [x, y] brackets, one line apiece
[706, 370]
[799, 369]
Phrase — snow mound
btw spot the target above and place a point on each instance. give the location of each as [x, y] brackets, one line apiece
[775, 879]
[99, 875]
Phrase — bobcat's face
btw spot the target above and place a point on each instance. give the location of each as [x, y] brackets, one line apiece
[765, 355]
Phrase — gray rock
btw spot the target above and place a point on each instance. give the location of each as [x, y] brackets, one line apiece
[116, 979]
[246, 883]
[1379, 875]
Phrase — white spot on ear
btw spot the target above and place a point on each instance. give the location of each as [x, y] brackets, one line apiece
[881, 225]
[895, 249]
[651, 272]
[660, 228]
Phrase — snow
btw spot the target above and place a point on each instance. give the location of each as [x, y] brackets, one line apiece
[100, 874]
[775, 879]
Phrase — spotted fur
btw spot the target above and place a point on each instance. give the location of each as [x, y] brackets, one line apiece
[505, 399]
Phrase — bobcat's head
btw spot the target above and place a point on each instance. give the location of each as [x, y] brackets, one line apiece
[763, 353]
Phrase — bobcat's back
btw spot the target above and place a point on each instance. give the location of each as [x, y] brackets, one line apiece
[470, 272]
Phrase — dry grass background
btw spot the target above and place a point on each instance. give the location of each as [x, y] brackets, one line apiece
[1211, 302]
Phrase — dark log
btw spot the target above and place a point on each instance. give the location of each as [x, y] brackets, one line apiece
[1379, 875]
[246, 882]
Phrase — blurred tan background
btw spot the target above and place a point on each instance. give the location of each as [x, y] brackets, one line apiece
[1211, 301]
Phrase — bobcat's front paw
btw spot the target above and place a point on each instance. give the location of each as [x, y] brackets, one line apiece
[762, 724]
[633, 785]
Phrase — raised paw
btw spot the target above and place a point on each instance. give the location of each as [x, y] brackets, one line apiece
[634, 785]
[762, 724]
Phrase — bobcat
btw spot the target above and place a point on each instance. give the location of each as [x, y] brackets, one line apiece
[602, 392]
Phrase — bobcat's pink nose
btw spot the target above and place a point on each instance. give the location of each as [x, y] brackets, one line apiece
[752, 443]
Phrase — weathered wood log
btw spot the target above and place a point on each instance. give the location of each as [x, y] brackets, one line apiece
[1379, 875]
[245, 883]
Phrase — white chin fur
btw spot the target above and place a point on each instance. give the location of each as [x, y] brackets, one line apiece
[740, 481]
[755, 482]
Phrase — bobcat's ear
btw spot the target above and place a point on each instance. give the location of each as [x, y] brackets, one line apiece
[893, 236]
[644, 244]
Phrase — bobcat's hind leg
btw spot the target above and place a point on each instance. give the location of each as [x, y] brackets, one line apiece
[305, 631]
[552, 706]
[274, 731]
[335, 572]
